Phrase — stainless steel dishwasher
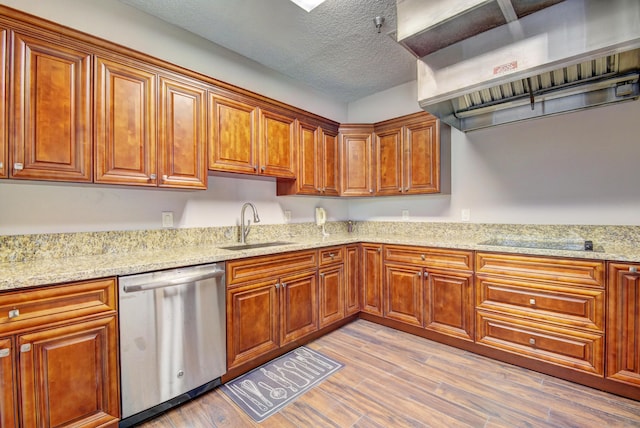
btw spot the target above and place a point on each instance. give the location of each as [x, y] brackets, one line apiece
[172, 338]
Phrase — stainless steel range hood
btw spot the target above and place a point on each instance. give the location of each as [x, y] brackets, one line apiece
[568, 56]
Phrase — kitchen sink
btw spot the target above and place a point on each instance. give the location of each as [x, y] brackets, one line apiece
[570, 245]
[240, 247]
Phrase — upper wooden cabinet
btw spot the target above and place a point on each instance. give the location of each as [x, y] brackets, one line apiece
[356, 160]
[50, 118]
[3, 104]
[182, 134]
[125, 123]
[407, 155]
[248, 139]
[233, 135]
[318, 167]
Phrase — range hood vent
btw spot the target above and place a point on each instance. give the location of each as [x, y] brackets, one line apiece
[568, 56]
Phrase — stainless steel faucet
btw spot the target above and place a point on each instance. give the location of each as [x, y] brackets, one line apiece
[244, 229]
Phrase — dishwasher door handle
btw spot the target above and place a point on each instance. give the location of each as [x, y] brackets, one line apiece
[172, 282]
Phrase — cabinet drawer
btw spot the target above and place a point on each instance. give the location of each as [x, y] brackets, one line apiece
[331, 255]
[22, 309]
[245, 270]
[430, 257]
[564, 271]
[569, 306]
[571, 348]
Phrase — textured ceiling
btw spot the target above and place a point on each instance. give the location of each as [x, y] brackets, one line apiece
[335, 48]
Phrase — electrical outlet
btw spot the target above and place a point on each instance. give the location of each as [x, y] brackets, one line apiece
[405, 214]
[465, 214]
[287, 216]
[167, 218]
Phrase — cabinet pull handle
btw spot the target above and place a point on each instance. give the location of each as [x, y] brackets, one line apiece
[25, 348]
[399, 189]
[165, 177]
[4, 352]
[255, 167]
[18, 166]
[284, 284]
[532, 301]
[277, 285]
[14, 313]
[321, 275]
[152, 176]
[1, 164]
[532, 341]
[332, 255]
[633, 269]
[423, 257]
[263, 169]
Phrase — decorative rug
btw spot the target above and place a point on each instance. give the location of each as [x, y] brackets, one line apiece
[268, 388]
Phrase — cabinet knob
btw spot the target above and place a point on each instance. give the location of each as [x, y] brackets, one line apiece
[263, 169]
[165, 177]
[370, 190]
[255, 167]
[18, 166]
[277, 285]
[152, 176]
[399, 189]
[332, 255]
[423, 257]
[532, 301]
[284, 284]
[532, 341]
[419, 274]
[633, 269]
[14, 313]
[379, 250]
[5, 352]
[1, 164]
[25, 348]
[321, 275]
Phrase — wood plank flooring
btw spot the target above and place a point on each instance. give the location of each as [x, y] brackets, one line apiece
[394, 379]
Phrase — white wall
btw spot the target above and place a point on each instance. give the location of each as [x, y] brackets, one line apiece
[577, 168]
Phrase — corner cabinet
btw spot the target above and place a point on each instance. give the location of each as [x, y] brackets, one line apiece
[50, 119]
[623, 323]
[356, 160]
[59, 356]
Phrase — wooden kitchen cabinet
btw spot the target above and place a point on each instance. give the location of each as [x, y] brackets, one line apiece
[50, 120]
[59, 355]
[331, 285]
[271, 301]
[352, 279]
[548, 309]
[4, 131]
[430, 288]
[318, 168]
[8, 399]
[623, 323]
[248, 139]
[407, 155]
[182, 134]
[356, 160]
[125, 111]
[371, 277]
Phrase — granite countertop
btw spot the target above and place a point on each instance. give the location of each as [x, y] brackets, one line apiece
[15, 275]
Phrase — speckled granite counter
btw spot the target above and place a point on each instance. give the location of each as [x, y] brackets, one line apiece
[32, 260]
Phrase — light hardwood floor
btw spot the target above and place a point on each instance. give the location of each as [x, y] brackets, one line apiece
[394, 379]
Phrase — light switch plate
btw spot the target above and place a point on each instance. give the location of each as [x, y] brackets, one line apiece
[465, 214]
[405, 214]
[287, 216]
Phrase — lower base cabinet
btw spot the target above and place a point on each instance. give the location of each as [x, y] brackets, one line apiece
[59, 356]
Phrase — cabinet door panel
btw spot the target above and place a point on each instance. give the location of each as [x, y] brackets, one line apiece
[449, 304]
[299, 306]
[252, 322]
[277, 145]
[403, 294]
[8, 410]
[3, 104]
[233, 138]
[352, 281]
[389, 162]
[371, 274]
[330, 170]
[77, 362]
[357, 164]
[125, 124]
[51, 117]
[331, 296]
[623, 324]
[182, 135]
[422, 154]
[309, 160]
